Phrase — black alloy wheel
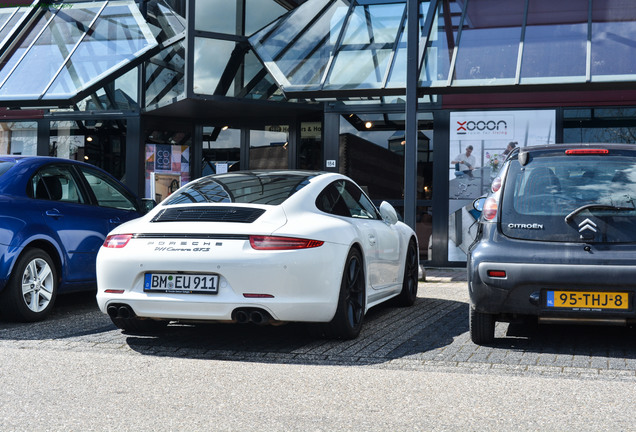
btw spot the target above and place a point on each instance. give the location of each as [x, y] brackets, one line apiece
[347, 321]
[410, 281]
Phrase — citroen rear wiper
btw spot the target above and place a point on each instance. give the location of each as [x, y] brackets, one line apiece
[598, 207]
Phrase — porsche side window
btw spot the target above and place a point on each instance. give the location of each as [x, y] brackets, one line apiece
[55, 183]
[331, 201]
[361, 207]
[346, 199]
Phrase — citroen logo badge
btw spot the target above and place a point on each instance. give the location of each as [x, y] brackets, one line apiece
[587, 225]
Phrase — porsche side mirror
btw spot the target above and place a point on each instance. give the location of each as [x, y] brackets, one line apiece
[388, 213]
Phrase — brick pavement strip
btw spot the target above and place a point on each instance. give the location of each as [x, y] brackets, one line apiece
[431, 335]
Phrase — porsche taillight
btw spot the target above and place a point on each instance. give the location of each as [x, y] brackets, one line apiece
[117, 241]
[282, 243]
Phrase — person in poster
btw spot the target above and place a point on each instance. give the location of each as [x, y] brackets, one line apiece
[464, 163]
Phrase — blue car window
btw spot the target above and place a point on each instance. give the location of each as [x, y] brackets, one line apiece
[55, 183]
[106, 191]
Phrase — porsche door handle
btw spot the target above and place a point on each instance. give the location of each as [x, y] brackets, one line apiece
[371, 239]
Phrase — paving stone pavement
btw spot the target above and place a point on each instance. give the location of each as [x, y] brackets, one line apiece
[431, 335]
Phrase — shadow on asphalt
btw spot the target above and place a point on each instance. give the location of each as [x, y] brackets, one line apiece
[615, 341]
[423, 331]
[388, 333]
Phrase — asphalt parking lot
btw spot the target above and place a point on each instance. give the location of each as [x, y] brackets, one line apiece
[411, 369]
[431, 335]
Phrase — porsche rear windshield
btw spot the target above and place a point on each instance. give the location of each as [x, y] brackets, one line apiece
[256, 187]
[550, 196]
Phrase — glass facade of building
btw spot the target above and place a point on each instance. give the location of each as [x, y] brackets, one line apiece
[159, 92]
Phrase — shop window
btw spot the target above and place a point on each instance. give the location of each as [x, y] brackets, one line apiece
[310, 148]
[99, 142]
[167, 162]
[221, 150]
[268, 147]
[18, 138]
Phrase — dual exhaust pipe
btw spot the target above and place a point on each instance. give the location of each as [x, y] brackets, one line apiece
[255, 316]
[120, 311]
[242, 316]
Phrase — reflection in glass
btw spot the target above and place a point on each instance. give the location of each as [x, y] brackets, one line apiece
[100, 143]
[9, 17]
[268, 148]
[310, 148]
[221, 150]
[613, 36]
[165, 75]
[216, 16]
[18, 138]
[555, 40]
[116, 39]
[208, 69]
[440, 46]
[259, 13]
[490, 42]
[65, 50]
[306, 59]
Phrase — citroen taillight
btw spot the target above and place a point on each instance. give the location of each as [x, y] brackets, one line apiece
[490, 208]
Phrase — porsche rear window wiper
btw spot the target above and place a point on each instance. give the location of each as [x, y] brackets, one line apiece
[597, 207]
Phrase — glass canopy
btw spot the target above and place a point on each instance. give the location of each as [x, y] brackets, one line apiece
[52, 52]
[360, 45]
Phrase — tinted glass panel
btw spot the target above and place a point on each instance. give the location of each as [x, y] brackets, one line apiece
[208, 69]
[216, 16]
[259, 13]
[539, 196]
[555, 41]
[250, 187]
[49, 52]
[490, 39]
[613, 31]
[117, 38]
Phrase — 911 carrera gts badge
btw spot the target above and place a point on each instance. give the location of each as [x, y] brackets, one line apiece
[181, 246]
[531, 226]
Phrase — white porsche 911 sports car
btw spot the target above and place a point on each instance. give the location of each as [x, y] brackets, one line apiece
[261, 247]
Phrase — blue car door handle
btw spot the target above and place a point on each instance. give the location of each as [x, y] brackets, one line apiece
[115, 220]
[53, 213]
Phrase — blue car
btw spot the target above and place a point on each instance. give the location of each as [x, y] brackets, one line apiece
[54, 216]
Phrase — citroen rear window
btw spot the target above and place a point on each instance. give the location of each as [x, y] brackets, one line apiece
[549, 197]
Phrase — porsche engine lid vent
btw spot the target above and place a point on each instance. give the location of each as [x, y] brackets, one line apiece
[209, 214]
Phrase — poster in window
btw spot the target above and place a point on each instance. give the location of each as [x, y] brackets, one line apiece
[478, 145]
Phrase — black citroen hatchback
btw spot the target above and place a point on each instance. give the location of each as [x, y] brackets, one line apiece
[556, 239]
